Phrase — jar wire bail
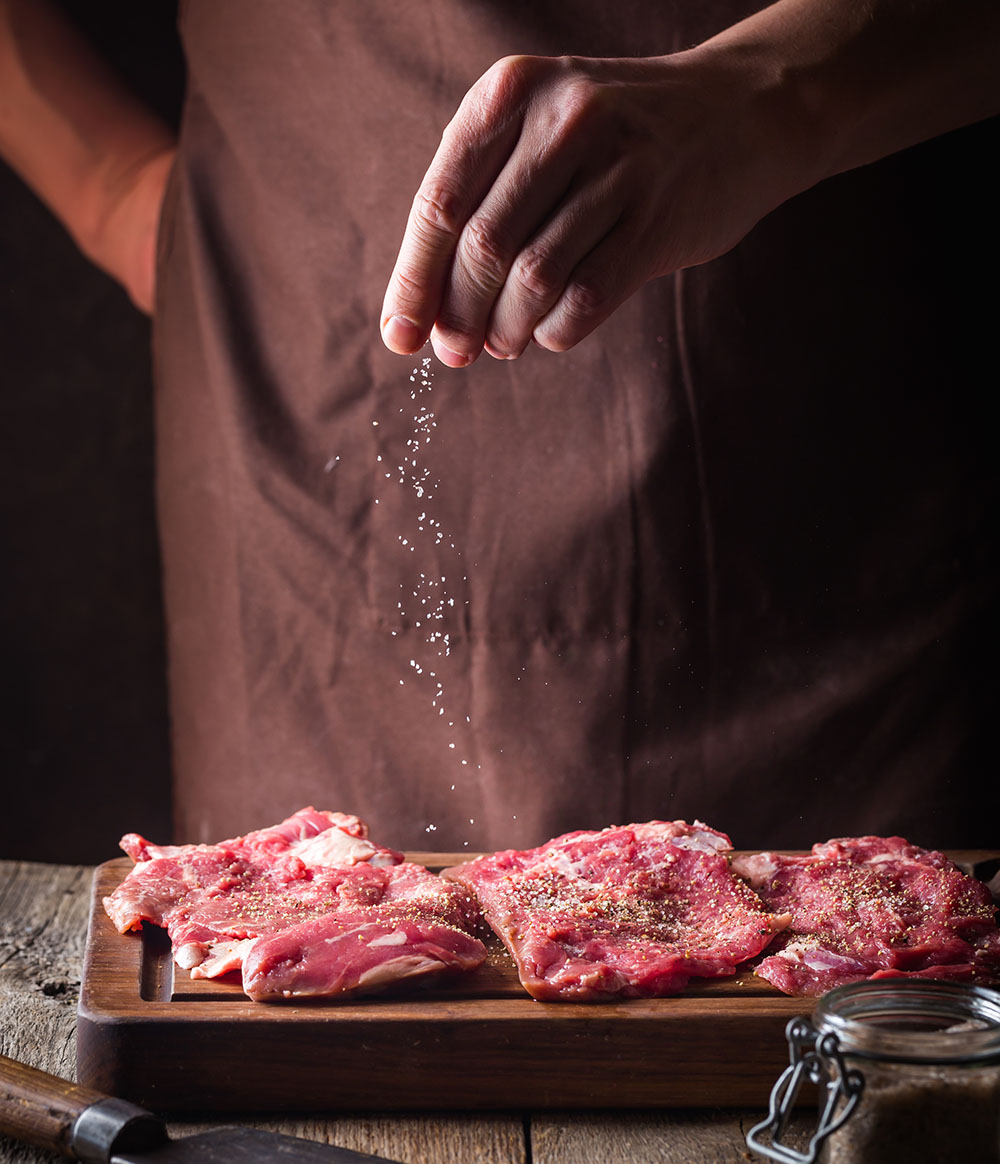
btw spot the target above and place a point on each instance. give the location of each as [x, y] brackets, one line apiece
[811, 1054]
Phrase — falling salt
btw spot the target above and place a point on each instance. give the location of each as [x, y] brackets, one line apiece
[432, 600]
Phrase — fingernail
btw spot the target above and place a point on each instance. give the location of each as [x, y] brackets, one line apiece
[400, 335]
[450, 358]
[497, 354]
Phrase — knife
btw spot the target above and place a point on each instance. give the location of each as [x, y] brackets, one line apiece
[53, 1113]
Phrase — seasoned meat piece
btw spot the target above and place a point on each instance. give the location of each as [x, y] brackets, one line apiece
[277, 903]
[873, 907]
[630, 911]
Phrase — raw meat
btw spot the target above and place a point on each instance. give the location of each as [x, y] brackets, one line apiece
[309, 907]
[631, 911]
[873, 907]
[348, 952]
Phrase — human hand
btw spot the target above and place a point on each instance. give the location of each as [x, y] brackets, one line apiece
[123, 239]
[97, 157]
[562, 185]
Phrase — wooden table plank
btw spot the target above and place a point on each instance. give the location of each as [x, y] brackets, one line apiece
[43, 925]
[43, 921]
[702, 1136]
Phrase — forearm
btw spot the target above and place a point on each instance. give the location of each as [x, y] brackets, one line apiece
[75, 134]
[856, 80]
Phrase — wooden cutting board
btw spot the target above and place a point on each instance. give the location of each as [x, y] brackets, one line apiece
[149, 1033]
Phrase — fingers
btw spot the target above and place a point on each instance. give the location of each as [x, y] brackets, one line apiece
[539, 275]
[474, 149]
[518, 203]
[417, 282]
[598, 286]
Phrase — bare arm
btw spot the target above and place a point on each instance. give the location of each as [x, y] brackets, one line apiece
[563, 185]
[87, 148]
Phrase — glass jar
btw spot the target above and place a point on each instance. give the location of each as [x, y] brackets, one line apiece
[908, 1070]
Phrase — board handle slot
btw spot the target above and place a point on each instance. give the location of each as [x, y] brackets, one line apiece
[156, 966]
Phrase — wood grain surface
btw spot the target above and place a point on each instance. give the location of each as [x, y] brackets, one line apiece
[43, 927]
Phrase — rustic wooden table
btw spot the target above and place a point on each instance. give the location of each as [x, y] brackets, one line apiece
[43, 928]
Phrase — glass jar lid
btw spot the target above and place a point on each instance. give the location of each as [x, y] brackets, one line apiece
[913, 1020]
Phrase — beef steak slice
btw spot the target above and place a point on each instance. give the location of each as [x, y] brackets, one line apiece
[309, 907]
[873, 907]
[629, 911]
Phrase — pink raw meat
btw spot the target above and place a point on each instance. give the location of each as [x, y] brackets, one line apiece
[272, 888]
[873, 907]
[631, 911]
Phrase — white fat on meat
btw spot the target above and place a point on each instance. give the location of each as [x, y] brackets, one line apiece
[223, 958]
[386, 973]
[191, 954]
[396, 938]
[559, 861]
[809, 953]
[701, 841]
[345, 934]
[757, 868]
[334, 847]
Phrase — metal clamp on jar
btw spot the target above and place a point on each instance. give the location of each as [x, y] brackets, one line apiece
[908, 1070]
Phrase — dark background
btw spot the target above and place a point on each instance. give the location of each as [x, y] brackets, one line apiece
[83, 743]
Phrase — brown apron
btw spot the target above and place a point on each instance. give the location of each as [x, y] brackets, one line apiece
[729, 559]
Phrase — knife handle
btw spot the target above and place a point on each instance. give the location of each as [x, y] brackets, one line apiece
[44, 1110]
[38, 1108]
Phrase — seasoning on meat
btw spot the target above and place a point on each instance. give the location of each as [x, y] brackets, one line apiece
[630, 911]
[307, 908]
[873, 907]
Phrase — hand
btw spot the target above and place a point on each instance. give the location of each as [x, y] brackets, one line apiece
[123, 242]
[77, 136]
[562, 185]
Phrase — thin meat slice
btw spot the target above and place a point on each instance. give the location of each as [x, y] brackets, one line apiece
[218, 903]
[630, 911]
[873, 907]
[347, 953]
